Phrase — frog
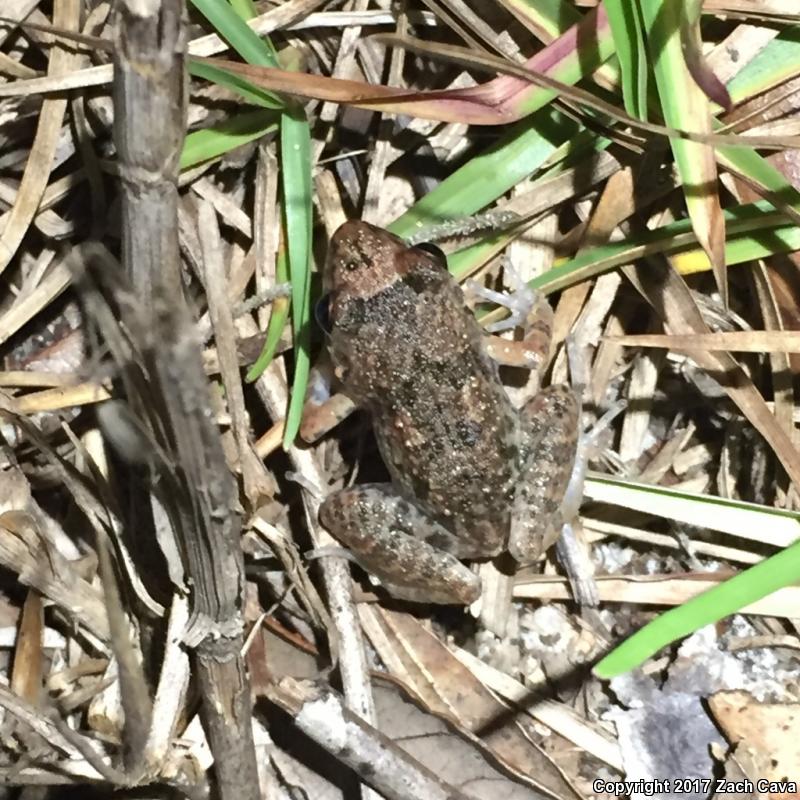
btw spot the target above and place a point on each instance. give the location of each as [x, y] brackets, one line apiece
[471, 475]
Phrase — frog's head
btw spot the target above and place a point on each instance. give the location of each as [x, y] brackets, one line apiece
[363, 260]
[372, 281]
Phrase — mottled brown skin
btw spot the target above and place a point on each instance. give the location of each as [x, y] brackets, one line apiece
[470, 473]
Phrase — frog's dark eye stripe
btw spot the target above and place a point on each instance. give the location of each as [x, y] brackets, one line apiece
[436, 252]
[322, 313]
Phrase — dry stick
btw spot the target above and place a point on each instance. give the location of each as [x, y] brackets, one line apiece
[150, 93]
[347, 640]
[255, 479]
[208, 531]
[321, 715]
[382, 154]
[59, 736]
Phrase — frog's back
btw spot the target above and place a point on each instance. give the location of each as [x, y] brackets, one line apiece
[413, 354]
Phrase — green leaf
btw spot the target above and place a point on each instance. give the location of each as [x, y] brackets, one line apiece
[488, 176]
[774, 64]
[244, 8]
[250, 92]
[298, 216]
[754, 231]
[625, 19]
[782, 569]
[552, 17]
[277, 321]
[297, 208]
[686, 107]
[231, 27]
[203, 145]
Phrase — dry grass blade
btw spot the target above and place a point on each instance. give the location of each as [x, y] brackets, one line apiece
[257, 483]
[38, 166]
[323, 716]
[450, 689]
[579, 96]
[25, 554]
[732, 341]
[662, 590]
[27, 307]
[669, 295]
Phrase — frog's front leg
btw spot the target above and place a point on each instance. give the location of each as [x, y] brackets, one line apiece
[533, 350]
[323, 409]
[414, 556]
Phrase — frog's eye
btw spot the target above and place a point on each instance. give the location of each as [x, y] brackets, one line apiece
[322, 313]
[435, 252]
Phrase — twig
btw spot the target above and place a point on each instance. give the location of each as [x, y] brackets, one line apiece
[321, 714]
[348, 642]
[150, 85]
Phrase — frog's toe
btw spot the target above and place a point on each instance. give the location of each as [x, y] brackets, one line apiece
[520, 304]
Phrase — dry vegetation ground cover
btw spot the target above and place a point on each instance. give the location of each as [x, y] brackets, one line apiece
[161, 238]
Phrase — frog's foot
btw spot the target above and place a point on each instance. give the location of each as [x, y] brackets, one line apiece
[587, 442]
[329, 551]
[571, 553]
[579, 569]
[525, 305]
[314, 489]
[530, 311]
[412, 555]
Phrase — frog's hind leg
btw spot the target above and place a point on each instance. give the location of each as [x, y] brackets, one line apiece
[411, 554]
[551, 489]
[552, 420]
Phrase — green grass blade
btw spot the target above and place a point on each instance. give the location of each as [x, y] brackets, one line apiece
[576, 54]
[487, 246]
[753, 521]
[766, 577]
[236, 83]
[234, 30]
[488, 176]
[244, 8]
[777, 62]
[686, 107]
[624, 17]
[552, 17]
[277, 320]
[297, 209]
[203, 145]
[773, 64]
[755, 167]
[755, 231]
